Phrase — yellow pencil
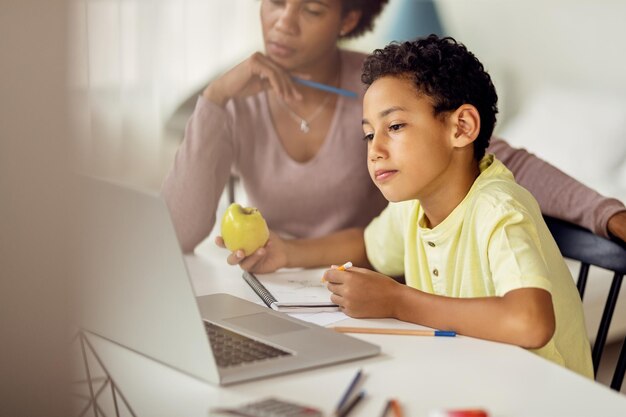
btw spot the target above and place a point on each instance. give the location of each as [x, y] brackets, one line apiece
[343, 267]
[404, 332]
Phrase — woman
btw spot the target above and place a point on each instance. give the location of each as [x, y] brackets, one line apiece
[299, 151]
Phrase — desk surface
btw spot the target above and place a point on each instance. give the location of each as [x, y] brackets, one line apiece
[424, 373]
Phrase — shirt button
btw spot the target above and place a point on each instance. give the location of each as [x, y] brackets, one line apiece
[436, 272]
[431, 244]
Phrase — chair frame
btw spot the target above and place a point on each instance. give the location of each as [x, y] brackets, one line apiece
[588, 248]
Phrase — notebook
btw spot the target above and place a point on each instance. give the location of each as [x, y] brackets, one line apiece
[292, 290]
[135, 291]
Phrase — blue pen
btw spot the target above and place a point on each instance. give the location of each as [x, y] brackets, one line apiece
[325, 87]
[348, 393]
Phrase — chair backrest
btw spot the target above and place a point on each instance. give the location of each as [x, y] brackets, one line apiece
[582, 245]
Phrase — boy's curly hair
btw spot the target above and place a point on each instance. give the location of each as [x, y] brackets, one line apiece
[444, 70]
[370, 9]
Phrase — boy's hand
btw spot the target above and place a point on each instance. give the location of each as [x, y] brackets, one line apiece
[361, 293]
[269, 258]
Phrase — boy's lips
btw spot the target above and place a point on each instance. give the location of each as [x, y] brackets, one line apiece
[382, 175]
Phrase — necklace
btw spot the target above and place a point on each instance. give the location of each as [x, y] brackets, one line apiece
[305, 125]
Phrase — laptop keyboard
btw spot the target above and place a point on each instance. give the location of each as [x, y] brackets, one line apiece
[231, 349]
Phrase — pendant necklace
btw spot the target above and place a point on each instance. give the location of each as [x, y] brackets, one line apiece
[305, 125]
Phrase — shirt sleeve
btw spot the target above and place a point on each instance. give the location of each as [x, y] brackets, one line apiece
[193, 187]
[558, 194]
[384, 241]
[514, 252]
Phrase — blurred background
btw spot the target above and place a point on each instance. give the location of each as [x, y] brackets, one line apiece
[558, 65]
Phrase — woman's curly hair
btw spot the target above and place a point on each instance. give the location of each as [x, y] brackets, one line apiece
[370, 9]
[444, 70]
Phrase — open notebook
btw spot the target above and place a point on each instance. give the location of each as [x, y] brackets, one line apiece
[292, 290]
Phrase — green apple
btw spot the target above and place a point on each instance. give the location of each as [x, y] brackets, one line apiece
[244, 228]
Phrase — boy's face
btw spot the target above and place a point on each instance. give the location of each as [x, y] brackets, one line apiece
[408, 147]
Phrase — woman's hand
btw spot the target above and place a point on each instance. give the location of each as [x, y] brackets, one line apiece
[360, 292]
[269, 258]
[251, 76]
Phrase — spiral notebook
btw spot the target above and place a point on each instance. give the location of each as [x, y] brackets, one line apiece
[292, 290]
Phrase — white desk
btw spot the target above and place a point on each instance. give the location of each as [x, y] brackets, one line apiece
[422, 372]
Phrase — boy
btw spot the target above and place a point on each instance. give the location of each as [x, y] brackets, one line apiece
[472, 244]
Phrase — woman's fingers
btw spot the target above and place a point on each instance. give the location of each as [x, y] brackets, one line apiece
[269, 73]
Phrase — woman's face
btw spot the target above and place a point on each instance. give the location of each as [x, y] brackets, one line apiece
[301, 33]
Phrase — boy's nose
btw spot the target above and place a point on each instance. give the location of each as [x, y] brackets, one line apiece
[374, 155]
[376, 149]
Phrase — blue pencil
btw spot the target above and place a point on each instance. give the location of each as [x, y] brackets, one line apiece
[349, 390]
[325, 87]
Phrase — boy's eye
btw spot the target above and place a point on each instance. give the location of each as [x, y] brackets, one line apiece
[396, 126]
[368, 137]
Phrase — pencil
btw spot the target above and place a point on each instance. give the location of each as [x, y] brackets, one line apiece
[346, 395]
[346, 410]
[343, 267]
[324, 87]
[387, 408]
[397, 409]
[405, 332]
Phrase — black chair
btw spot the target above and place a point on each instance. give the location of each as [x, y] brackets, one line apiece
[582, 245]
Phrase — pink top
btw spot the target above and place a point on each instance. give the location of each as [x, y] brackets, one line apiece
[333, 190]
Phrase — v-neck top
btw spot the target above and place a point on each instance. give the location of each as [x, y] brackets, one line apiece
[329, 192]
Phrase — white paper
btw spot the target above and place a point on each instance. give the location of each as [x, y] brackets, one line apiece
[296, 285]
[321, 319]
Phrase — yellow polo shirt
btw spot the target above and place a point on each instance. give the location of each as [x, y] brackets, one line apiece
[493, 242]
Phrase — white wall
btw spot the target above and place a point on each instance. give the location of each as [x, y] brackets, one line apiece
[559, 68]
[131, 64]
[528, 44]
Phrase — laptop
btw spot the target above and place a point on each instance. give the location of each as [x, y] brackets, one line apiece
[134, 290]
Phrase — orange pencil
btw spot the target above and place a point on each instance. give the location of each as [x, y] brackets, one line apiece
[343, 267]
[396, 408]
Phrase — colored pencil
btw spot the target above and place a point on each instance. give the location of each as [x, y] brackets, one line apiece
[346, 410]
[397, 409]
[387, 408]
[324, 87]
[343, 267]
[346, 395]
[405, 332]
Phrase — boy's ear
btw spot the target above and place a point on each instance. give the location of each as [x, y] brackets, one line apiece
[466, 121]
[349, 22]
